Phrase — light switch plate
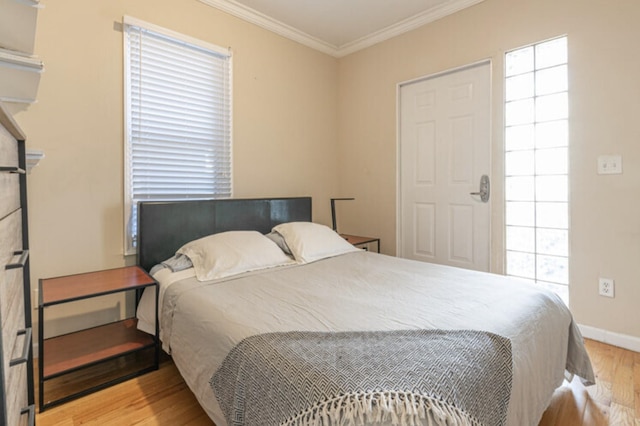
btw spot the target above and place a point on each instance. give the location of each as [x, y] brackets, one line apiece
[609, 164]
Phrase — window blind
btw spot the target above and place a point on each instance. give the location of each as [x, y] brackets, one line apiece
[178, 120]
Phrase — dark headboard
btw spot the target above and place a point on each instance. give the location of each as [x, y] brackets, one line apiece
[165, 226]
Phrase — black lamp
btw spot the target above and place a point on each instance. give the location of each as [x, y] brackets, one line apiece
[333, 211]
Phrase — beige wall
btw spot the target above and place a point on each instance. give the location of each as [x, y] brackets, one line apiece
[604, 110]
[285, 125]
[290, 139]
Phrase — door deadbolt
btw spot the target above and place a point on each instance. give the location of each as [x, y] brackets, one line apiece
[484, 189]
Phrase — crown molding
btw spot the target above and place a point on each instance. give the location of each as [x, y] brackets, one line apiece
[253, 16]
[405, 26]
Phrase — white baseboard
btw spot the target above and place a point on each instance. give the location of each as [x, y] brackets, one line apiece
[616, 339]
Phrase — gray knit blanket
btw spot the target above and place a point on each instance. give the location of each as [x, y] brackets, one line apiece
[406, 377]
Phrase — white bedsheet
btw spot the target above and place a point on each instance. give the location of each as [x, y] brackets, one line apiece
[201, 322]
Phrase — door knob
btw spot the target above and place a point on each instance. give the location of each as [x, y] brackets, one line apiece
[484, 189]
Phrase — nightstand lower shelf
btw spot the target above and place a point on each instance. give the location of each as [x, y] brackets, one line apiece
[86, 380]
[83, 362]
[83, 348]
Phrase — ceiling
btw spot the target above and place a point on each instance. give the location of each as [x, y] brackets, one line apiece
[340, 27]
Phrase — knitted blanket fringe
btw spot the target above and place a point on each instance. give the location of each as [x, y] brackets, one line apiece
[400, 408]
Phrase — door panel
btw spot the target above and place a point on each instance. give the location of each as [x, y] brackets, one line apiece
[461, 152]
[444, 150]
[425, 155]
[424, 217]
[461, 233]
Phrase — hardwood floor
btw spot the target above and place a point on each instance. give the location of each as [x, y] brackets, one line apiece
[159, 398]
[162, 398]
[614, 400]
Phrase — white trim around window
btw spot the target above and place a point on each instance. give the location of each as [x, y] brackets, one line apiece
[177, 119]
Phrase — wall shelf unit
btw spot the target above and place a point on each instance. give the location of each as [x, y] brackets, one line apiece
[20, 69]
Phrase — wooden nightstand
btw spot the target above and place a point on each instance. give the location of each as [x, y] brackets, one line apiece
[75, 364]
[361, 241]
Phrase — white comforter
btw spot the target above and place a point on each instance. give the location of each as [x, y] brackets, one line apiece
[202, 321]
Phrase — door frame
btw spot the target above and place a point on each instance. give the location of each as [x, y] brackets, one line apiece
[399, 86]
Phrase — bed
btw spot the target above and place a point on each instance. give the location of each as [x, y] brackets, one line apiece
[317, 332]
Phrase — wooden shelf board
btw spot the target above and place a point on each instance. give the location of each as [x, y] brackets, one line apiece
[355, 239]
[82, 348]
[91, 284]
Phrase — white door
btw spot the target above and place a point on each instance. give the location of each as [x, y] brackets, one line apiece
[444, 152]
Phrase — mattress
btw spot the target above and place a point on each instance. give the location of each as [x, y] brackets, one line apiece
[201, 322]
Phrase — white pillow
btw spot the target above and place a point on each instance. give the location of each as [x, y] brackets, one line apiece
[233, 252]
[310, 241]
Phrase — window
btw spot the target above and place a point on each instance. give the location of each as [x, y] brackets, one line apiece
[537, 164]
[177, 119]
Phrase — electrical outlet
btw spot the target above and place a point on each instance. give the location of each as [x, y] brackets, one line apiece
[606, 287]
